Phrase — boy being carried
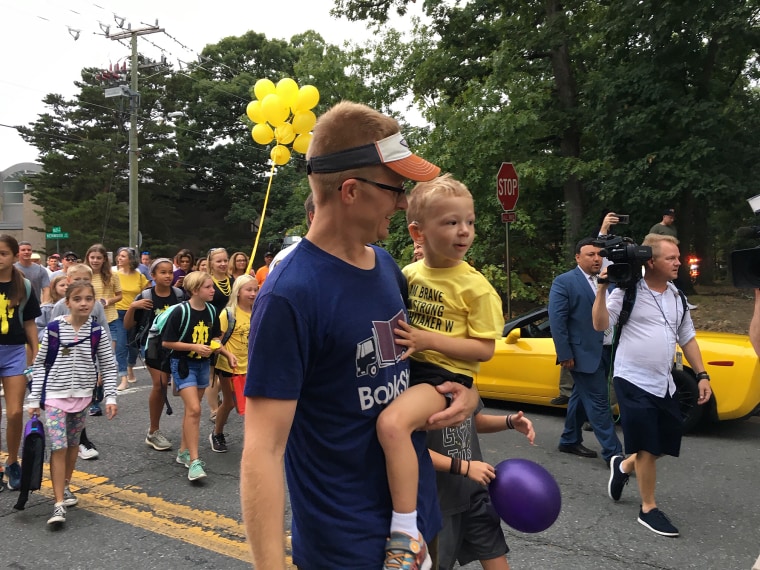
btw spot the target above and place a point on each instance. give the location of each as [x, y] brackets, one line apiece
[456, 317]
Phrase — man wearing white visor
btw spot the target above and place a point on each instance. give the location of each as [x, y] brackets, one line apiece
[329, 313]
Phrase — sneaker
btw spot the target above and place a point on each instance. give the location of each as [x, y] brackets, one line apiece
[95, 410]
[656, 521]
[618, 479]
[195, 471]
[157, 441]
[183, 457]
[218, 444]
[13, 471]
[88, 451]
[69, 498]
[59, 514]
[402, 552]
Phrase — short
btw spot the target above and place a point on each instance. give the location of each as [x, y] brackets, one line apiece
[12, 360]
[472, 535]
[63, 428]
[650, 423]
[198, 372]
[224, 374]
[426, 373]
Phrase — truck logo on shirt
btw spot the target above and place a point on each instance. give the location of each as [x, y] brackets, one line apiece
[379, 350]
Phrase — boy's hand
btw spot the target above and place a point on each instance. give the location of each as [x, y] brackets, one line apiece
[111, 411]
[142, 304]
[463, 402]
[524, 426]
[411, 338]
[481, 472]
[202, 350]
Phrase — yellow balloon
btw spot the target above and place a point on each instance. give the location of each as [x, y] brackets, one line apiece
[262, 133]
[263, 88]
[280, 155]
[303, 122]
[308, 97]
[301, 144]
[274, 110]
[254, 112]
[284, 134]
[287, 89]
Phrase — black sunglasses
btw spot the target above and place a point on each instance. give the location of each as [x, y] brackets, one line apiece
[397, 189]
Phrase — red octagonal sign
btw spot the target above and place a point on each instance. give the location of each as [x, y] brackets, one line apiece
[507, 189]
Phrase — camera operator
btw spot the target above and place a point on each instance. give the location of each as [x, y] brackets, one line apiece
[649, 409]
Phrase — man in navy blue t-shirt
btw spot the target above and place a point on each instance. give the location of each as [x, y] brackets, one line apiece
[323, 362]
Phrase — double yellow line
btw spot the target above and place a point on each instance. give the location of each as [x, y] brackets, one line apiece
[130, 505]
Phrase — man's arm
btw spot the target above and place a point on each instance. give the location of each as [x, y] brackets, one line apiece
[463, 404]
[694, 356]
[262, 483]
[559, 312]
[754, 324]
[599, 313]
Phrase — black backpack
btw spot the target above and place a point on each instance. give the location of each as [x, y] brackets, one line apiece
[138, 335]
[32, 458]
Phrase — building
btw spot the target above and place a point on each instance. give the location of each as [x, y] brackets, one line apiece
[18, 214]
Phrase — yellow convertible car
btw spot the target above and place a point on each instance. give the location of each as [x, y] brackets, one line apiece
[523, 369]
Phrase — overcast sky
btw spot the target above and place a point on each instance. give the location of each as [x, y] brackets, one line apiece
[39, 55]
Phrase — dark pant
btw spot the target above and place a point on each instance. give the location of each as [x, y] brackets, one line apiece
[590, 401]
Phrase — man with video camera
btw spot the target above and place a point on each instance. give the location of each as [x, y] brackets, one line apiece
[649, 409]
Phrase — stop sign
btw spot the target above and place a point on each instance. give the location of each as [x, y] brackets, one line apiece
[507, 190]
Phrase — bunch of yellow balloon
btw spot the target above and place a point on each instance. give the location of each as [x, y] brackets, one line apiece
[281, 113]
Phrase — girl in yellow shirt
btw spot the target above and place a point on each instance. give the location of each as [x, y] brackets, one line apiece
[132, 282]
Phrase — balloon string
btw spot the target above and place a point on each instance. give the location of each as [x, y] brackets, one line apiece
[261, 222]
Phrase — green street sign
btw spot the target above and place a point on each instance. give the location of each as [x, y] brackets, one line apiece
[57, 235]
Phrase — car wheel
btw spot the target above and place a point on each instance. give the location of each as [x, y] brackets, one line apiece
[687, 393]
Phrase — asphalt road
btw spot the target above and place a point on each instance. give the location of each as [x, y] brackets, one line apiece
[138, 509]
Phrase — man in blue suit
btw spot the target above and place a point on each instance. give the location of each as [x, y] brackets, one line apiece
[582, 351]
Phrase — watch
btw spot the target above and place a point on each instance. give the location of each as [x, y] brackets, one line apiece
[703, 376]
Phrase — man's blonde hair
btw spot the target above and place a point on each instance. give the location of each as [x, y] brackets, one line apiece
[654, 241]
[425, 193]
[344, 126]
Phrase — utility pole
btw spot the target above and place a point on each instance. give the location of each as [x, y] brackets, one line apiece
[134, 102]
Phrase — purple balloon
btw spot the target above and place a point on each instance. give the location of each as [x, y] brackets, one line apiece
[525, 495]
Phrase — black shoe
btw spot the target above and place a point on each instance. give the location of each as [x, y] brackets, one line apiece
[618, 479]
[577, 449]
[587, 427]
[559, 400]
[656, 521]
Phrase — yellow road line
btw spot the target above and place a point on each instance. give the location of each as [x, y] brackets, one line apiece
[206, 529]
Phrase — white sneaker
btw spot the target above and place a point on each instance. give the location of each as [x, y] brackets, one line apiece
[59, 514]
[88, 452]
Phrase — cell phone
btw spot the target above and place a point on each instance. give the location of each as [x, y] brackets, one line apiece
[623, 218]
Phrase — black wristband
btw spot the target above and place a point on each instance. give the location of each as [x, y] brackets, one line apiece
[466, 473]
[456, 466]
[703, 376]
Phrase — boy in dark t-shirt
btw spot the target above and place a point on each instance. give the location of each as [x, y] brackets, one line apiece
[192, 333]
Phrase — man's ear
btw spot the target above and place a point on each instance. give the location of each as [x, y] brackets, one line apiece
[416, 233]
[348, 190]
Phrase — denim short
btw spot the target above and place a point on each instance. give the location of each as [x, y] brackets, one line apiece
[12, 360]
[198, 373]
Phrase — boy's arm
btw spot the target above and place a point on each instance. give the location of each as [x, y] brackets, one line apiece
[416, 340]
[490, 424]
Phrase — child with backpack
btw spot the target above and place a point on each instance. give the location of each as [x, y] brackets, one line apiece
[235, 322]
[74, 349]
[18, 309]
[141, 313]
[188, 331]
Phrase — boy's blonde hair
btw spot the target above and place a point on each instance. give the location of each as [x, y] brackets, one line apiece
[194, 281]
[79, 269]
[425, 193]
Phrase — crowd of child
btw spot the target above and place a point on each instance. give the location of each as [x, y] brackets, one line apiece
[86, 336]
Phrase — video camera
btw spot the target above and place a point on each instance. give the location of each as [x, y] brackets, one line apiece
[627, 259]
[745, 263]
